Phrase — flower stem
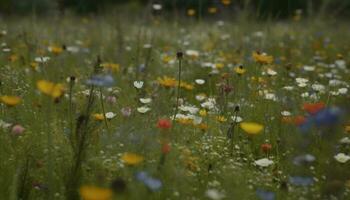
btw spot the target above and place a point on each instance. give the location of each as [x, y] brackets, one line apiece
[103, 109]
[178, 89]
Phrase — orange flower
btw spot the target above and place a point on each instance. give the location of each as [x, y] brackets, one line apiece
[287, 119]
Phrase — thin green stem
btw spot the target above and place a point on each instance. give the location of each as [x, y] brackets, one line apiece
[178, 89]
[103, 109]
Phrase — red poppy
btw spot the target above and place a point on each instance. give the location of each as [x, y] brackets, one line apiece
[266, 147]
[313, 108]
[164, 124]
[166, 148]
[299, 120]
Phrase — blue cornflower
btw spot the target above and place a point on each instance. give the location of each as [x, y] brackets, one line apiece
[101, 80]
[265, 195]
[327, 117]
[301, 181]
[150, 182]
[304, 159]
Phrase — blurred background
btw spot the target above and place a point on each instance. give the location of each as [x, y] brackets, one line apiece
[202, 8]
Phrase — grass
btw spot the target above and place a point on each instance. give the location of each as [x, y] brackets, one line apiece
[64, 147]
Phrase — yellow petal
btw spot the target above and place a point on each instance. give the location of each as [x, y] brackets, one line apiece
[50, 89]
[95, 193]
[132, 158]
[10, 100]
[251, 128]
[98, 117]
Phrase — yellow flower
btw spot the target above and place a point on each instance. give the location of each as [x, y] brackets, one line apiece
[239, 70]
[55, 49]
[191, 12]
[98, 117]
[221, 119]
[347, 183]
[167, 59]
[219, 65]
[190, 162]
[13, 58]
[10, 100]
[184, 121]
[95, 193]
[347, 128]
[251, 128]
[111, 66]
[203, 112]
[226, 2]
[167, 81]
[55, 90]
[202, 126]
[262, 58]
[186, 85]
[132, 158]
[212, 10]
[34, 65]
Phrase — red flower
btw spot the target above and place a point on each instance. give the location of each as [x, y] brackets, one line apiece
[266, 147]
[164, 124]
[166, 148]
[313, 108]
[299, 120]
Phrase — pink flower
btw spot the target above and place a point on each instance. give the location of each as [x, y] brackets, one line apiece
[111, 99]
[17, 129]
[126, 112]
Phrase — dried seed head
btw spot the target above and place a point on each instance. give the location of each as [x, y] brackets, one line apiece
[236, 108]
[179, 55]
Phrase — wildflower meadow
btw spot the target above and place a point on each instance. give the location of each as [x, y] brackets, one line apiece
[174, 105]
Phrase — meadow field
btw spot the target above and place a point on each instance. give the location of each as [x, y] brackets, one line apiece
[117, 107]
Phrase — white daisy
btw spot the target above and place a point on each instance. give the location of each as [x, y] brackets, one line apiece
[264, 162]
[214, 194]
[110, 115]
[138, 84]
[145, 100]
[143, 109]
[341, 157]
[200, 81]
